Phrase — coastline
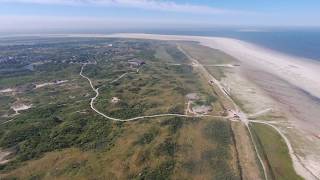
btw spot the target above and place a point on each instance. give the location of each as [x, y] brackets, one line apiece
[300, 72]
[275, 80]
[291, 87]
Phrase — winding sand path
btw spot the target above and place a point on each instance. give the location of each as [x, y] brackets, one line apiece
[297, 71]
[195, 62]
[96, 90]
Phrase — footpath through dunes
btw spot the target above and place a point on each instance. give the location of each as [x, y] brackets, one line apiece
[73, 141]
[299, 72]
[96, 90]
[246, 164]
[227, 103]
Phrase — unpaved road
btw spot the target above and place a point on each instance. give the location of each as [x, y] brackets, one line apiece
[244, 118]
[240, 113]
[96, 90]
[293, 156]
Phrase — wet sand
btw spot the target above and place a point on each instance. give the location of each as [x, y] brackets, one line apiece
[301, 111]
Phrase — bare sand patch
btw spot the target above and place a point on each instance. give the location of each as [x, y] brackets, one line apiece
[115, 100]
[50, 83]
[8, 90]
[203, 109]
[3, 156]
[20, 107]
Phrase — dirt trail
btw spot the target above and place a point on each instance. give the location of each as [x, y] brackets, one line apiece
[265, 111]
[235, 108]
[96, 90]
[261, 57]
[299, 167]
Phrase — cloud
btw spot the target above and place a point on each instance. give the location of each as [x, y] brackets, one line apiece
[161, 5]
[37, 24]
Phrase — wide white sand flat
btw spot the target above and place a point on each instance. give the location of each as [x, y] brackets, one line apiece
[303, 73]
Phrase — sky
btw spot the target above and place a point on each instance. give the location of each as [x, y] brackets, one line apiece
[93, 15]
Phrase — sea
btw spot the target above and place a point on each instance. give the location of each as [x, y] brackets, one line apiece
[301, 42]
[297, 42]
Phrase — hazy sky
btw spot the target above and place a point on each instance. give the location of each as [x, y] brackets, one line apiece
[58, 15]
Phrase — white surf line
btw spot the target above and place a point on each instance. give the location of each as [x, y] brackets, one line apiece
[292, 154]
[131, 119]
[242, 115]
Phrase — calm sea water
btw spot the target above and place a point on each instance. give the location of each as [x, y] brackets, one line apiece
[302, 42]
[297, 42]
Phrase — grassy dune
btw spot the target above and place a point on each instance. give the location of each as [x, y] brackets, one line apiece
[209, 56]
[275, 153]
[160, 149]
[62, 138]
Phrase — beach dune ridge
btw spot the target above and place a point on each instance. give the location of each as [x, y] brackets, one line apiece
[294, 80]
[300, 72]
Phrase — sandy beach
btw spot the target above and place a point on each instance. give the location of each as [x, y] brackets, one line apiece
[303, 73]
[269, 79]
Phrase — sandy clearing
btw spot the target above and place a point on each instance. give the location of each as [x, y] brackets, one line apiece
[3, 155]
[50, 83]
[20, 107]
[6, 90]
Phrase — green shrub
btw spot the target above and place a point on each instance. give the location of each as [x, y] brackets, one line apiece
[148, 137]
[218, 132]
[163, 172]
[168, 147]
[174, 123]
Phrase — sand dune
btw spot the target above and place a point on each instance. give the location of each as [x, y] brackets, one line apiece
[292, 80]
[289, 84]
[303, 73]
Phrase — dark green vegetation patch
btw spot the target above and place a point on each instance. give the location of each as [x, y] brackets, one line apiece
[61, 123]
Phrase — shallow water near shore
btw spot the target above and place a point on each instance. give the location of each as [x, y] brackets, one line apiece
[297, 42]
